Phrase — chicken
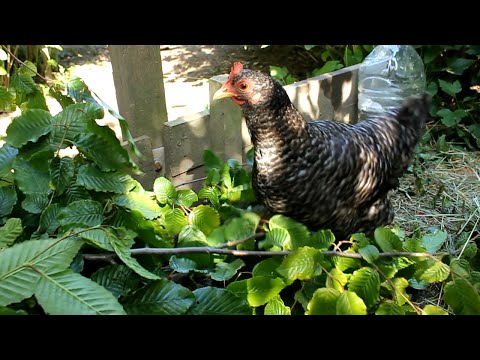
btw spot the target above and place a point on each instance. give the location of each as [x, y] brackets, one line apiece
[325, 174]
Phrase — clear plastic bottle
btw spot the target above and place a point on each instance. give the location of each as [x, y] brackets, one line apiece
[388, 75]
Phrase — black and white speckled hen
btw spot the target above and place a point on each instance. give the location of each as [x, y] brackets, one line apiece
[324, 173]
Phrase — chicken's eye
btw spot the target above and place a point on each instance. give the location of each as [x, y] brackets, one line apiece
[243, 86]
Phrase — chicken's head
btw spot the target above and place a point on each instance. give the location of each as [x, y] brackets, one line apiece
[246, 86]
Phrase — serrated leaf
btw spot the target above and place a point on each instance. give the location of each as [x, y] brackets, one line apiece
[398, 290]
[349, 303]
[99, 238]
[470, 251]
[161, 297]
[299, 233]
[35, 203]
[75, 192]
[343, 263]
[365, 282]
[433, 242]
[387, 240]
[462, 297]
[48, 220]
[267, 267]
[164, 190]
[458, 65]
[22, 83]
[191, 235]
[210, 193]
[211, 160]
[277, 238]
[30, 179]
[460, 267]
[336, 280]
[225, 271]
[18, 280]
[28, 68]
[389, 308]
[140, 202]
[123, 251]
[276, 307]
[69, 293]
[8, 198]
[35, 100]
[7, 97]
[182, 265]
[7, 156]
[414, 245]
[118, 279]
[433, 310]
[323, 302]
[216, 301]
[437, 273]
[257, 290]
[213, 177]
[205, 218]
[91, 177]
[10, 231]
[185, 197]
[29, 126]
[239, 229]
[370, 253]
[450, 88]
[217, 237]
[175, 220]
[85, 212]
[303, 264]
[61, 173]
[418, 285]
[322, 239]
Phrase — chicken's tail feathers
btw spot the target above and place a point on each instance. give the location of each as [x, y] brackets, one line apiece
[414, 112]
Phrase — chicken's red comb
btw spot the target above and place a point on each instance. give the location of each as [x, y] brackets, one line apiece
[236, 68]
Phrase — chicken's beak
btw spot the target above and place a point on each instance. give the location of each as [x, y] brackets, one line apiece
[223, 93]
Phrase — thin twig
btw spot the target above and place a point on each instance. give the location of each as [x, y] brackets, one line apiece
[28, 67]
[191, 182]
[217, 250]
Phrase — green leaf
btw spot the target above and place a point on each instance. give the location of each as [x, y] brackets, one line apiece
[183, 265]
[211, 160]
[278, 72]
[365, 282]
[18, 280]
[276, 238]
[162, 297]
[30, 179]
[213, 177]
[164, 190]
[140, 202]
[68, 293]
[387, 240]
[433, 242]
[35, 203]
[389, 308]
[99, 238]
[48, 220]
[61, 172]
[437, 273]
[370, 253]
[93, 178]
[414, 245]
[191, 235]
[267, 267]
[276, 307]
[460, 267]
[8, 198]
[7, 156]
[225, 271]
[8, 311]
[29, 126]
[85, 212]
[210, 193]
[185, 197]
[257, 290]
[10, 232]
[323, 302]
[432, 88]
[7, 98]
[457, 65]
[35, 100]
[216, 301]
[205, 217]
[344, 263]
[123, 251]
[175, 220]
[76, 192]
[303, 264]
[462, 297]
[450, 88]
[336, 280]
[217, 237]
[349, 303]
[28, 69]
[433, 310]
[329, 66]
[22, 83]
[322, 239]
[118, 279]
[418, 285]
[299, 233]
[399, 286]
[239, 229]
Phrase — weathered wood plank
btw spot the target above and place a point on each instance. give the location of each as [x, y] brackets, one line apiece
[138, 79]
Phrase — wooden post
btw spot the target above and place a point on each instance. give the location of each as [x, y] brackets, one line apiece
[138, 79]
